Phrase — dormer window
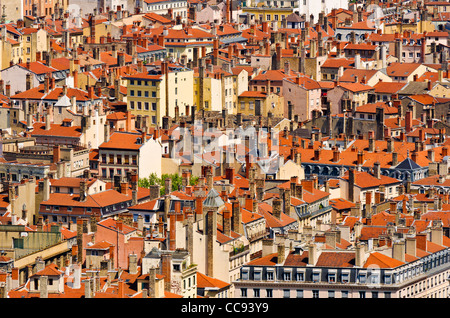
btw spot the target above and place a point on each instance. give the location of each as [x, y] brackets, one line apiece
[67, 122]
[332, 276]
[362, 276]
[345, 277]
[316, 276]
[300, 276]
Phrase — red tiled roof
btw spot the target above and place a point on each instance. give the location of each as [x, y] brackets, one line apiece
[258, 94]
[372, 108]
[355, 87]
[56, 130]
[156, 17]
[204, 281]
[122, 140]
[366, 180]
[387, 87]
[265, 210]
[112, 224]
[341, 204]
[401, 69]
[49, 270]
[336, 259]
[103, 245]
[101, 199]
[38, 68]
[382, 261]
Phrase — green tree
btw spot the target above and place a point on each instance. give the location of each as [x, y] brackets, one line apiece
[175, 178]
[151, 180]
[193, 180]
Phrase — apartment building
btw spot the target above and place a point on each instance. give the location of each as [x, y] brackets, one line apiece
[178, 8]
[158, 95]
[413, 267]
[127, 152]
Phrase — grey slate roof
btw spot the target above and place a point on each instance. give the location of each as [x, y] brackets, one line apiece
[408, 164]
[213, 200]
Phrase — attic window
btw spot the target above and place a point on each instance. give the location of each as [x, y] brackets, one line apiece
[316, 276]
[300, 276]
[257, 274]
[345, 277]
[244, 274]
[362, 277]
[332, 276]
[388, 278]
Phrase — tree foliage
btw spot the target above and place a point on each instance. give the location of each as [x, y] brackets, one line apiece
[161, 181]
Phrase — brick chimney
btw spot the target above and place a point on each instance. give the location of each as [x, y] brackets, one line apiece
[121, 288]
[351, 185]
[408, 121]
[47, 121]
[215, 51]
[360, 158]
[75, 78]
[124, 188]
[317, 154]
[299, 191]
[166, 270]
[211, 236]
[411, 246]
[91, 92]
[281, 253]
[371, 143]
[249, 203]
[227, 222]
[377, 170]
[128, 121]
[236, 218]
[83, 190]
[172, 231]
[313, 254]
[360, 258]
[399, 250]
[152, 283]
[43, 286]
[229, 175]
[15, 277]
[437, 234]
[336, 154]
[276, 208]
[56, 153]
[199, 206]
[331, 238]
[394, 158]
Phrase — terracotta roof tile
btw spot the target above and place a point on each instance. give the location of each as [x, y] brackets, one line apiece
[381, 260]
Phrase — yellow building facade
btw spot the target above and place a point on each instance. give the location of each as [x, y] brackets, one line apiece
[257, 103]
[156, 96]
[265, 13]
[418, 27]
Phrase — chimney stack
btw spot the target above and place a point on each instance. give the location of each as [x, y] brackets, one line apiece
[236, 217]
[276, 208]
[312, 254]
[360, 254]
[399, 250]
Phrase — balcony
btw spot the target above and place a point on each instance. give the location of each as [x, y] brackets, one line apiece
[321, 211]
[191, 270]
[257, 236]
[309, 214]
[239, 251]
